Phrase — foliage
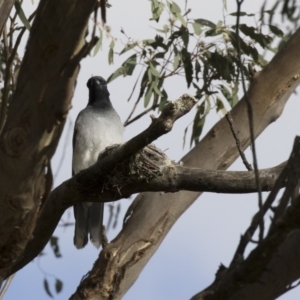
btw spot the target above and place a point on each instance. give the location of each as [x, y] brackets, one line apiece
[203, 52]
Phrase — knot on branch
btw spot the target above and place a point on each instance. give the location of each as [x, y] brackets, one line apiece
[15, 141]
[146, 164]
[174, 110]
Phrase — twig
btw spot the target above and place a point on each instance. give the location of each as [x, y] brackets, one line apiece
[127, 122]
[237, 141]
[66, 143]
[6, 285]
[247, 236]
[250, 118]
[8, 75]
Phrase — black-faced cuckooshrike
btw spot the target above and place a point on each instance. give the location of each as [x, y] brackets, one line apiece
[97, 127]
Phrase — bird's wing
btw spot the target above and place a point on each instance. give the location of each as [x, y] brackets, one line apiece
[94, 131]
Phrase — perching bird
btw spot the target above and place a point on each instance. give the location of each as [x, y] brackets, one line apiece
[97, 127]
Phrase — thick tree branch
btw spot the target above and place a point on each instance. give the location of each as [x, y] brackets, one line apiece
[36, 117]
[267, 276]
[5, 8]
[84, 185]
[149, 170]
[153, 214]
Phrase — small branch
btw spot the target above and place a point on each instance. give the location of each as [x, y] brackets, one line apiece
[6, 286]
[258, 218]
[273, 265]
[128, 121]
[250, 118]
[8, 72]
[237, 141]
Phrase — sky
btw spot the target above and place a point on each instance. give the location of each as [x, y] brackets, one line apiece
[207, 234]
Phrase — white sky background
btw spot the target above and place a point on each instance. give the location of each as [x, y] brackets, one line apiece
[208, 233]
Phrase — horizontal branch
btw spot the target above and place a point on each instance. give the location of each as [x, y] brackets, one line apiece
[164, 176]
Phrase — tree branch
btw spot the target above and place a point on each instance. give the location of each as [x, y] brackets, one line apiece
[261, 276]
[36, 117]
[5, 8]
[152, 215]
[148, 170]
[84, 185]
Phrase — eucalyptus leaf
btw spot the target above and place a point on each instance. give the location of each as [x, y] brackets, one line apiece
[58, 285]
[21, 15]
[128, 47]
[99, 43]
[205, 22]
[47, 288]
[197, 28]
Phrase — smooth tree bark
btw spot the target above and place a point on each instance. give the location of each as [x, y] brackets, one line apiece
[152, 215]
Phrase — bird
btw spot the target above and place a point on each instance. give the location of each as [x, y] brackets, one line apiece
[97, 126]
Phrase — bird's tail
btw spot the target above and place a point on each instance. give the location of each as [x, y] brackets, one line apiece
[96, 221]
[81, 213]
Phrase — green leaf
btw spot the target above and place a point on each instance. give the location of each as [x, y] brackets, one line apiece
[260, 38]
[185, 38]
[198, 124]
[227, 94]
[149, 74]
[159, 42]
[127, 68]
[175, 8]
[99, 43]
[111, 52]
[58, 285]
[21, 15]
[159, 55]
[188, 67]
[181, 19]
[184, 136]
[128, 47]
[276, 30]
[157, 91]
[197, 69]
[206, 23]
[154, 71]
[221, 64]
[144, 83]
[148, 41]
[110, 56]
[156, 9]
[163, 100]
[197, 28]
[55, 247]
[220, 105]
[112, 44]
[47, 289]
[148, 94]
[176, 61]
[242, 14]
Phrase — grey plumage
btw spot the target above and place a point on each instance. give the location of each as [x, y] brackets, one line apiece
[97, 127]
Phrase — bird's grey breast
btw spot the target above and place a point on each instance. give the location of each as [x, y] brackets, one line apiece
[95, 129]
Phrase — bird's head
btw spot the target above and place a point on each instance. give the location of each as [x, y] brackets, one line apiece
[97, 86]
